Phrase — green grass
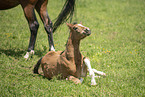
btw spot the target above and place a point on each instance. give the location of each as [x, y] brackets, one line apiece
[116, 47]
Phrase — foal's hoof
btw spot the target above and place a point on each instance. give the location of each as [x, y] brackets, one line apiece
[74, 79]
[28, 54]
[77, 81]
[93, 84]
[104, 74]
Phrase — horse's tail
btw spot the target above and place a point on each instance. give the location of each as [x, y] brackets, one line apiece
[67, 9]
[36, 67]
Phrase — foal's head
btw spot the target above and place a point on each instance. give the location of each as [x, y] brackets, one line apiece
[79, 31]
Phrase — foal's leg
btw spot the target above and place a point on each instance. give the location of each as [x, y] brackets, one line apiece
[41, 8]
[99, 72]
[92, 71]
[33, 24]
[74, 79]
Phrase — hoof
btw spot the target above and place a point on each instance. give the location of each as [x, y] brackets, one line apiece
[74, 79]
[93, 84]
[28, 54]
[52, 48]
[104, 75]
[77, 82]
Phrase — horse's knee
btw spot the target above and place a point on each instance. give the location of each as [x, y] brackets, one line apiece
[34, 27]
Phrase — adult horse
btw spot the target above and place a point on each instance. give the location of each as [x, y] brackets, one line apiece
[41, 7]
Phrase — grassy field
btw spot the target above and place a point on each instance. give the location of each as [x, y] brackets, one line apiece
[116, 47]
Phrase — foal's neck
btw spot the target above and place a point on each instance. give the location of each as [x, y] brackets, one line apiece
[72, 49]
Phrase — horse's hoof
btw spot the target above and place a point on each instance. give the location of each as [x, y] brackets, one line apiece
[77, 82]
[104, 74]
[31, 53]
[93, 84]
[27, 55]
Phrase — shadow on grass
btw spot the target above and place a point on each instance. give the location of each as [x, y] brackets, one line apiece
[20, 53]
[12, 52]
[40, 76]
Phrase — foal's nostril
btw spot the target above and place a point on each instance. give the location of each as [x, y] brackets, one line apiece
[87, 31]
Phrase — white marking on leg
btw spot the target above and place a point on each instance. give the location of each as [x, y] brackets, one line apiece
[99, 72]
[96, 76]
[52, 48]
[93, 82]
[29, 53]
[87, 63]
[91, 72]
[32, 52]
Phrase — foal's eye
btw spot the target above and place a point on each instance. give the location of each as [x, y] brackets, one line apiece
[75, 28]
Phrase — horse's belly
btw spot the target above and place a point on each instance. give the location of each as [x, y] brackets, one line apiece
[51, 70]
[7, 4]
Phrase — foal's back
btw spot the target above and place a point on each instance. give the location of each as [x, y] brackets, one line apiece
[53, 65]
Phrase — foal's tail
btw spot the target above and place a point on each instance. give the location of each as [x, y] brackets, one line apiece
[67, 9]
[36, 67]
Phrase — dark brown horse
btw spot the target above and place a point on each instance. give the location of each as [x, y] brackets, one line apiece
[41, 7]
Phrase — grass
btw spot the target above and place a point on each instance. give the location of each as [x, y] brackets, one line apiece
[116, 47]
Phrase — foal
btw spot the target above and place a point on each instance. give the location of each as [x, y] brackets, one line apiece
[70, 63]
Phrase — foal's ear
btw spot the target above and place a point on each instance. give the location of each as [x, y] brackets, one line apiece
[69, 25]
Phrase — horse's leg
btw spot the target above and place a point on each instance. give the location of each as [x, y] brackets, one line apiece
[41, 8]
[74, 79]
[91, 72]
[99, 72]
[33, 24]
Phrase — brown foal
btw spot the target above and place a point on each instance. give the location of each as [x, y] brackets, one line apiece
[70, 64]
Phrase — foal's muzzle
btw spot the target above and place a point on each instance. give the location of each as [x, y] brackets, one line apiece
[87, 32]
